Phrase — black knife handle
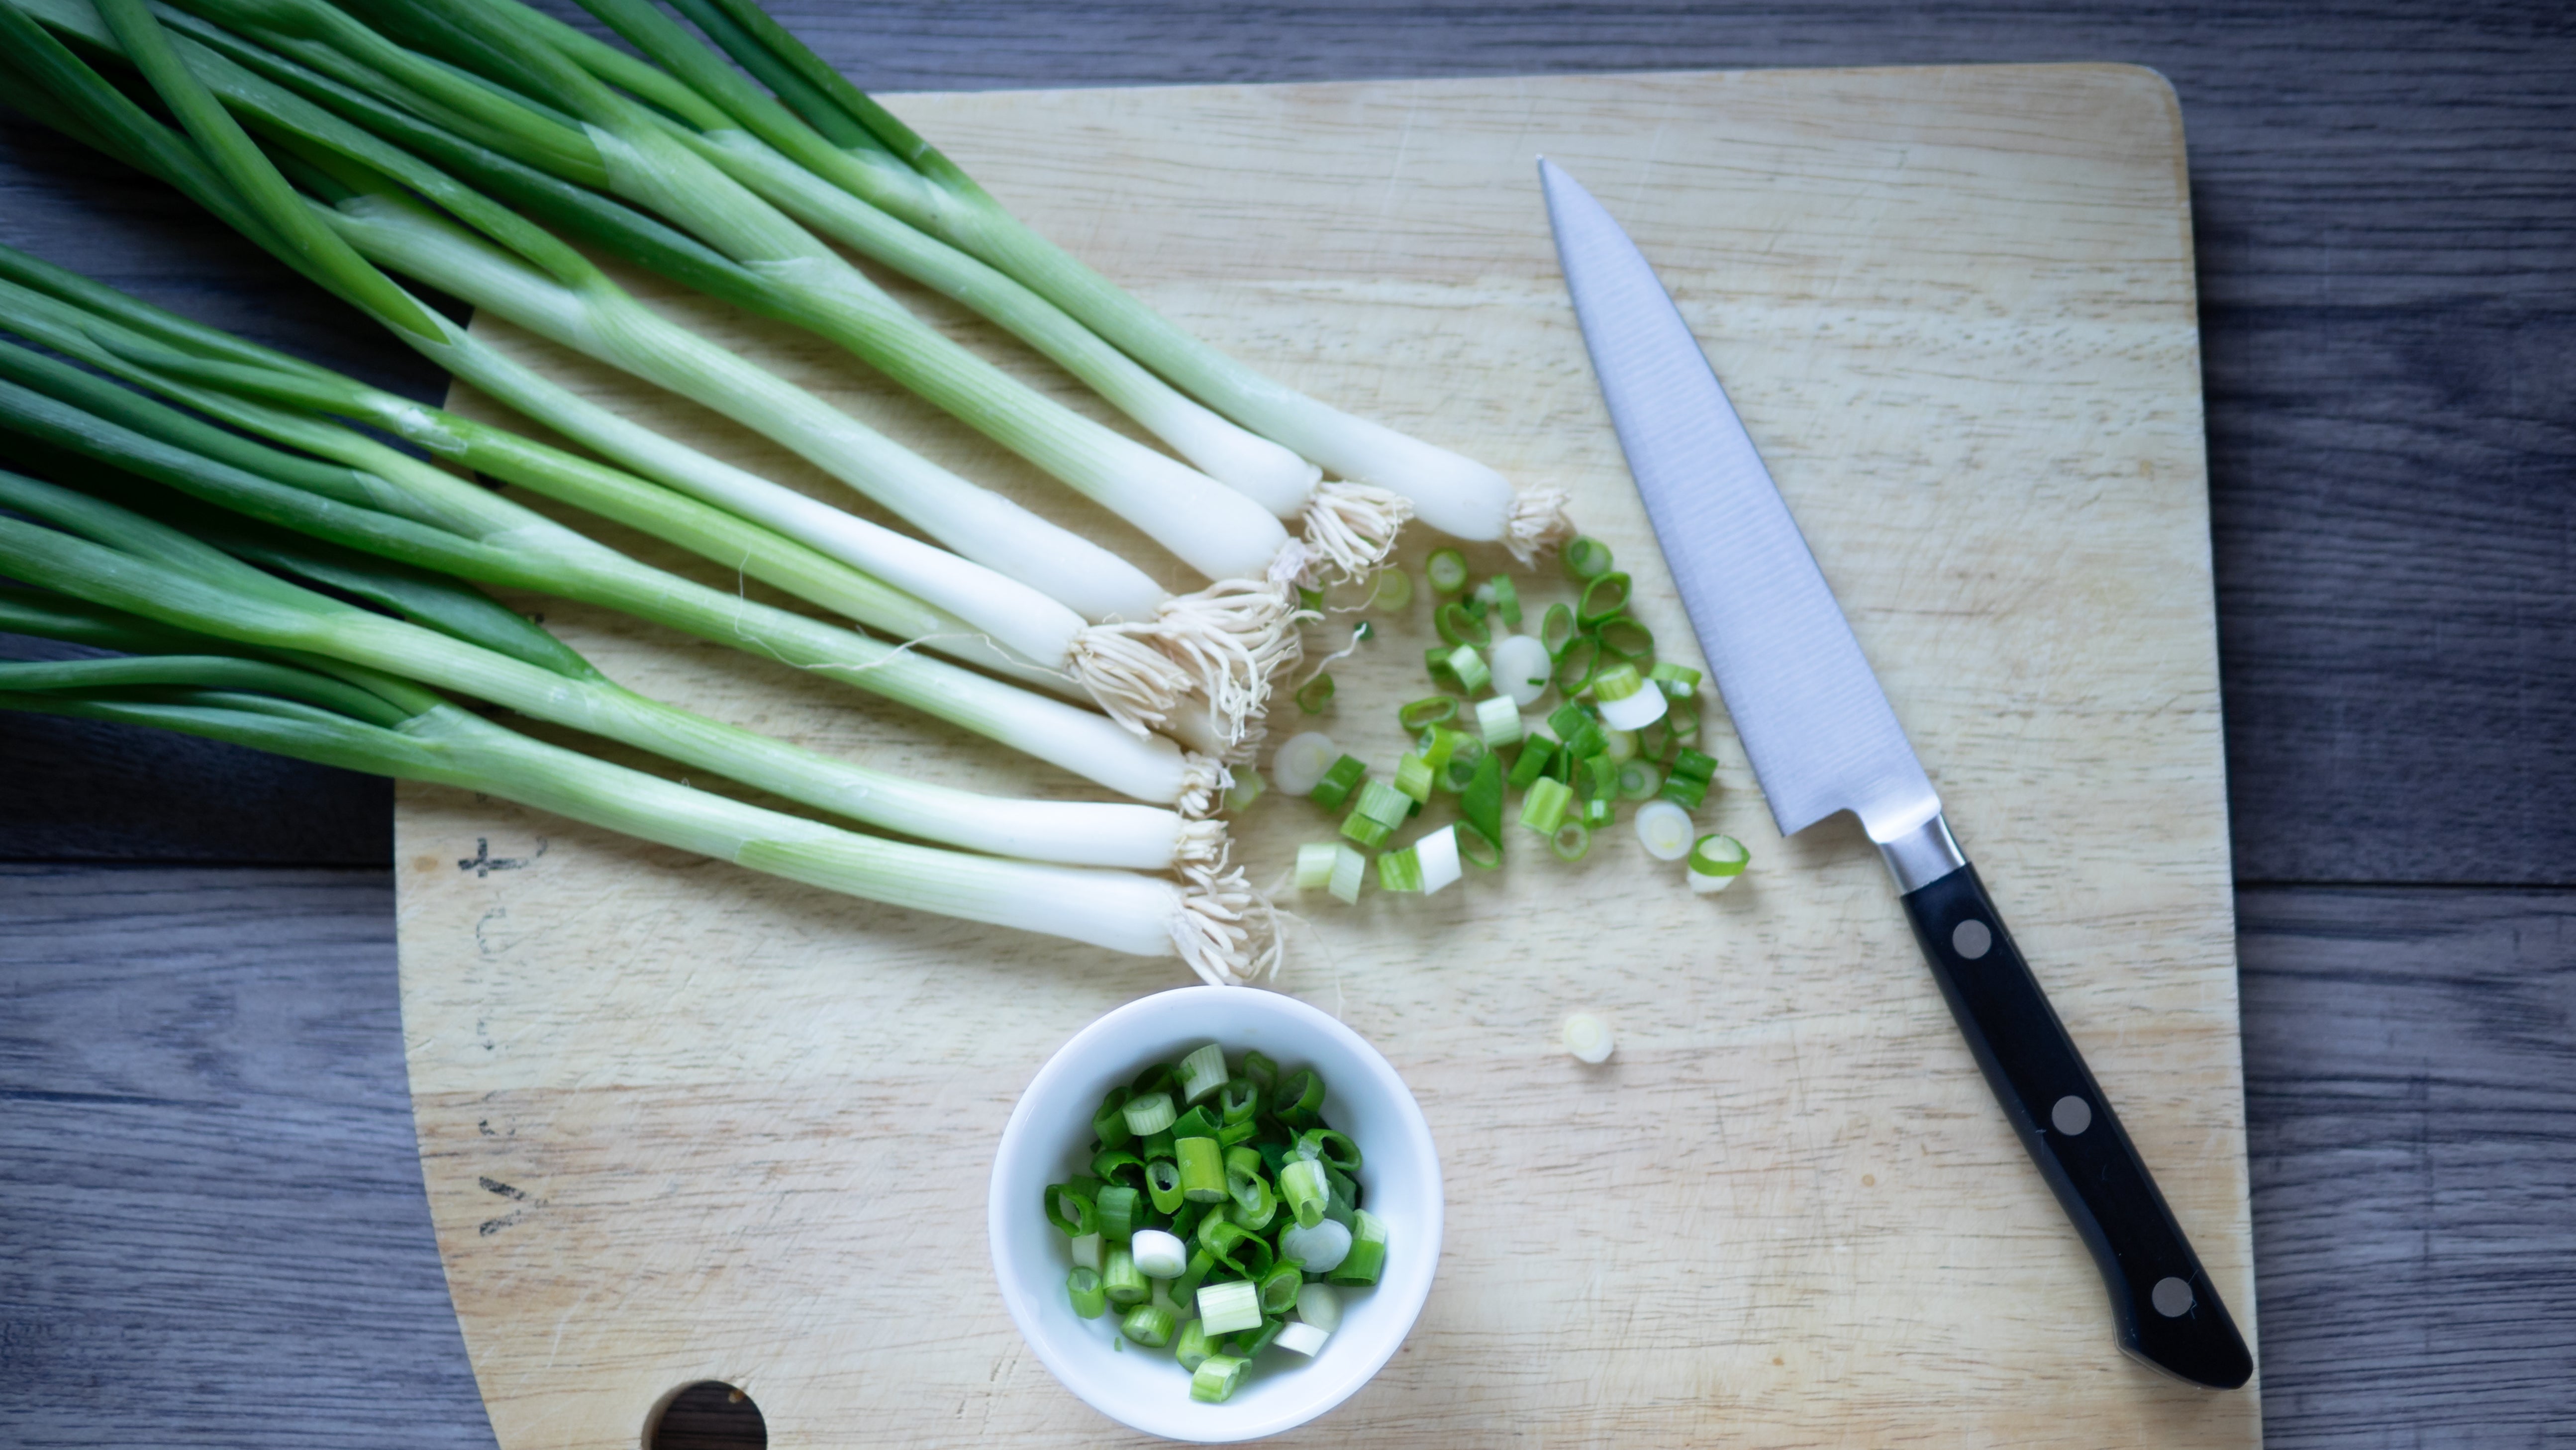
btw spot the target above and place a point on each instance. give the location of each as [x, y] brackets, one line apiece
[2163, 1307]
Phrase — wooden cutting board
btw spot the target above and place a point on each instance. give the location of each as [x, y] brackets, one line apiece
[682, 1122]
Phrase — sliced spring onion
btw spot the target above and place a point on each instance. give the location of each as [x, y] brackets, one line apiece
[1150, 1114]
[1384, 804]
[1683, 790]
[1303, 1189]
[1278, 1288]
[1685, 719]
[1349, 869]
[1394, 589]
[1346, 775]
[1163, 1187]
[1678, 681]
[1088, 1253]
[1588, 1038]
[1499, 721]
[1315, 694]
[1639, 780]
[1605, 598]
[1150, 1325]
[1437, 855]
[1665, 829]
[1247, 788]
[1571, 841]
[1694, 765]
[1576, 664]
[1619, 745]
[1413, 776]
[1586, 559]
[1457, 626]
[1556, 629]
[1399, 871]
[1321, 1247]
[1598, 812]
[1715, 862]
[1469, 668]
[1192, 1346]
[1121, 1209]
[1083, 1286]
[1202, 1073]
[1298, 765]
[1479, 850]
[1430, 710]
[1298, 1337]
[1543, 808]
[1535, 753]
[1120, 1280]
[1202, 1170]
[1315, 864]
[1626, 703]
[1507, 600]
[1214, 1381]
[1446, 570]
[1158, 1255]
[1320, 1304]
[1229, 1307]
[1624, 638]
[1367, 1258]
[1521, 668]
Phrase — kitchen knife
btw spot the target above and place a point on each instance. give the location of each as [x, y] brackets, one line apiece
[1822, 739]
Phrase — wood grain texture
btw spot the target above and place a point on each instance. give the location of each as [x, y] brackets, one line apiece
[211, 1226]
[648, 1086]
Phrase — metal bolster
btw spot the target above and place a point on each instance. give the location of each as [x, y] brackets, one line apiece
[1921, 856]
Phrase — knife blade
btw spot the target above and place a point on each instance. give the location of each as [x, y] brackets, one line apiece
[1823, 739]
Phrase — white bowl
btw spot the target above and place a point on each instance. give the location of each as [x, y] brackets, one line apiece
[1399, 1179]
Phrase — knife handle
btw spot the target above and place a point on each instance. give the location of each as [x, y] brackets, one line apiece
[2163, 1307]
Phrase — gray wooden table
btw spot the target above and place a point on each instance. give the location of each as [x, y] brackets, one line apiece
[211, 1224]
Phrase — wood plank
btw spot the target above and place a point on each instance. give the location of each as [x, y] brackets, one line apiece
[213, 1216]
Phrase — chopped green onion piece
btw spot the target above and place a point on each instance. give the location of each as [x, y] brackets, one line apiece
[1198, 1122]
[1499, 720]
[1469, 668]
[1256, 1209]
[1298, 765]
[1367, 834]
[1692, 765]
[1246, 789]
[1588, 1038]
[1163, 1185]
[1435, 660]
[1237, 1101]
[1349, 867]
[1316, 694]
[1601, 777]
[1566, 719]
[1315, 864]
[1480, 850]
[1202, 1264]
[1346, 1196]
[1122, 1281]
[1109, 1125]
[1575, 664]
[1624, 638]
[1191, 1346]
[1116, 1166]
[1367, 1259]
[1202, 1170]
[1089, 1300]
[1149, 1115]
[1532, 762]
[1678, 681]
[1278, 1288]
[1303, 1189]
[1572, 841]
[1586, 559]
[1335, 1149]
[1399, 871]
[1250, 1347]
[1383, 803]
[1556, 629]
[1626, 703]
[1320, 1305]
[1543, 809]
[1226, 1308]
[1715, 862]
[1338, 782]
[1604, 599]
[1457, 626]
[1436, 858]
[1158, 1255]
[1507, 600]
[1071, 1212]
[1598, 812]
[1619, 745]
[1413, 776]
[1685, 717]
[1428, 711]
[1683, 791]
[1639, 780]
[1446, 570]
[1087, 1252]
[1213, 1382]
[1150, 1325]
[1300, 1097]
[1394, 589]
[1522, 668]
[1121, 1210]
[1310, 601]
[1202, 1072]
[1158, 1145]
[1481, 799]
[1656, 742]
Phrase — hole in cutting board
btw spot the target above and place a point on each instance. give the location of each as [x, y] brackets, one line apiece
[708, 1415]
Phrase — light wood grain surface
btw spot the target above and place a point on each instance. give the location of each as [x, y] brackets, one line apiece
[682, 1122]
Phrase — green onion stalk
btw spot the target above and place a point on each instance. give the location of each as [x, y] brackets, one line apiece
[365, 208]
[547, 555]
[845, 138]
[91, 549]
[359, 719]
[374, 498]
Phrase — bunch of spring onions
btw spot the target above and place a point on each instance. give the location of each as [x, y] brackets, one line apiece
[338, 201]
[322, 709]
[343, 486]
[1621, 733]
[1219, 1214]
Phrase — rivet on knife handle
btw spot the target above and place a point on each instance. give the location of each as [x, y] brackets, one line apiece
[2164, 1310]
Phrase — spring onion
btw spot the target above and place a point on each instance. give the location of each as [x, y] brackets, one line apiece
[1715, 862]
[1678, 681]
[1088, 1252]
[1571, 841]
[1320, 1304]
[1544, 805]
[1605, 597]
[1499, 720]
[1348, 869]
[1315, 694]
[1399, 871]
[1446, 571]
[1158, 1255]
[1300, 762]
[1626, 703]
[1413, 777]
[1346, 775]
[1457, 627]
[1315, 864]
[1192, 1346]
[1215, 1380]
[1437, 856]
[1624, 638]
[1226, 1308]
[1150, 1114]
[1619, 745]
[1639, 780]
[1299, 1337]
[1521, 668]
[1367, 1259]
[1588, 1038]
[1202, 1170]
[1586, 559]
[1163, 1188]
[1089, 1300]
[1577, 664]
[1665, 830]
[1150, 1325]
[1393, 590]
